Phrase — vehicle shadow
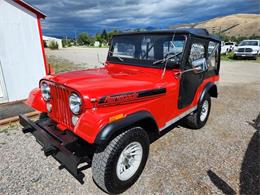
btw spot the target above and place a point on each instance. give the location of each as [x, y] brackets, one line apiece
[165, 131]
[250, 168]
[219, 183]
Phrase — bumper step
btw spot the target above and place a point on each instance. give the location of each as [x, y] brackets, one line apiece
[63, 146]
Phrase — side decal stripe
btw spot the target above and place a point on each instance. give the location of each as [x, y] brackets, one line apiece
[131, 96]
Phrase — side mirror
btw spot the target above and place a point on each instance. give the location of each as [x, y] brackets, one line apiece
[199, 65]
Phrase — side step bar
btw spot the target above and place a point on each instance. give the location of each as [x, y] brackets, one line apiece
[57, 144]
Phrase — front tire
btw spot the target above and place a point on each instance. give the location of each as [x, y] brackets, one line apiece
[117, 166]
[199, 118]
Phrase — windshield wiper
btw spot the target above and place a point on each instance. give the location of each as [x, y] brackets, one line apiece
[166, 58]
[118, 57]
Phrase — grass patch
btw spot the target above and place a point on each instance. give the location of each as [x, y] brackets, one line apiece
[63, 65]
[230, 57]
[8, 127]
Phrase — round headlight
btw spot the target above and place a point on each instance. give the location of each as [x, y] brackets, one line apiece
[74, 103]
[46, 91]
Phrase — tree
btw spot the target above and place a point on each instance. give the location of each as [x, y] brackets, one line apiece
[91, 40]
[104, 36]
[53, 45]
[99, 38]
[83, 39]
[112, 33]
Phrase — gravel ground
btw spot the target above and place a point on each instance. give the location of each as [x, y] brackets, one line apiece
[82, 56]
[223, 157]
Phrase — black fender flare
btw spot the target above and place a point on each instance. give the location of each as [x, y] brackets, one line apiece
[107, 132]
[210, 88]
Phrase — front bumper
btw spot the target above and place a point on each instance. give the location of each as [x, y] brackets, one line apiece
[245, 54]
[69, 150]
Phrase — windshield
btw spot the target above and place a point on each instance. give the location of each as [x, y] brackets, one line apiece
[251, 43]
[145, 49]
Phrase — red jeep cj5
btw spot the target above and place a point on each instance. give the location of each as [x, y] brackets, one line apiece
[107, 117]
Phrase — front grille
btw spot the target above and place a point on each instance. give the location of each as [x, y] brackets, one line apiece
[60, 105]
[245, 50]
[249, 50]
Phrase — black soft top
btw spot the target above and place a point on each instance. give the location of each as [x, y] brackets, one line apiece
[199, 32]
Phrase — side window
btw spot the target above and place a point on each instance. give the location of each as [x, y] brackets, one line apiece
[197, 52]
[213, 55]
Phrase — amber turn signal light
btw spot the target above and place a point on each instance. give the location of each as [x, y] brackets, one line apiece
[116, 117]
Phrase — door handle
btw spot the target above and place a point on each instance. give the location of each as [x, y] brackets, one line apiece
[179, 74]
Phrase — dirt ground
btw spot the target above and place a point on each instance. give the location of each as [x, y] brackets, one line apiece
[83, 56]
[221, 158]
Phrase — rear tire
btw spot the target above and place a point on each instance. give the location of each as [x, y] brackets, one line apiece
[117, 166]
[199, 118]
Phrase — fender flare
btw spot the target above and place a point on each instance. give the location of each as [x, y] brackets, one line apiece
[208, 89]
[107, 132]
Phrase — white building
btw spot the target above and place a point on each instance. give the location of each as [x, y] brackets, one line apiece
[48, 40]
[22, 57]
[97, 44]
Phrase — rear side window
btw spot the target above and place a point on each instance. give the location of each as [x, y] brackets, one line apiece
[213, 55]
[197, 52]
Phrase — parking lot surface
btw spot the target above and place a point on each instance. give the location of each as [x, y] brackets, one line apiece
[222, 157]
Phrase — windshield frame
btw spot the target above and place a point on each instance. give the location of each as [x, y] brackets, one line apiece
[146, 63]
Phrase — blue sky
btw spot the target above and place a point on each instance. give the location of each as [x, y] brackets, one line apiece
[65, 17]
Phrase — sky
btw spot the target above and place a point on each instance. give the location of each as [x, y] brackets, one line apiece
[70, 17]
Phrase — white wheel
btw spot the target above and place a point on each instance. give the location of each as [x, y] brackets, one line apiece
[129, 161]
[117, 166]
[204, 110]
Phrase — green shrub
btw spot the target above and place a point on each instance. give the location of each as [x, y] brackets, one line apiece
[227, 56]
[53, 45]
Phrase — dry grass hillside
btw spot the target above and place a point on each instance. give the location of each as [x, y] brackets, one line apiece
[238, 25]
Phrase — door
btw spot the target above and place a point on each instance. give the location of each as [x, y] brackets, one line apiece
[3, 92]
[193, 72]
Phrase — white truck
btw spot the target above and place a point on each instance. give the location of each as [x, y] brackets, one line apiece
[227, 47]
[248, 49]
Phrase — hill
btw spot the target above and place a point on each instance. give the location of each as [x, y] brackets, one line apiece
[238, 25]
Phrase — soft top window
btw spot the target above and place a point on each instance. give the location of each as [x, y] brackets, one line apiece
[144, 49]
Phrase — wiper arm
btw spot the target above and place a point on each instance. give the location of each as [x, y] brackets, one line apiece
[121, 59]
[159, 61]
[118, 57]
[166, 58]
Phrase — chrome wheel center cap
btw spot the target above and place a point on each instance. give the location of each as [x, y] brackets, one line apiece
[129, 161]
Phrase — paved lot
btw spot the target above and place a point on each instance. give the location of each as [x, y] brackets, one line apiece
[223, 157]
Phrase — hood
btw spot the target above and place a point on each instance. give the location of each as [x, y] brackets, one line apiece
[112, 79]
[249, 46]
